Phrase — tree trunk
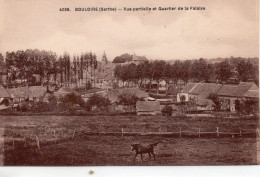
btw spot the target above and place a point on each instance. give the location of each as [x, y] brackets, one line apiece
[158, 87]
[150, 85]
[167, 88]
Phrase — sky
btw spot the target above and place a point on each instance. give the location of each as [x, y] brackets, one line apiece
[226, 28]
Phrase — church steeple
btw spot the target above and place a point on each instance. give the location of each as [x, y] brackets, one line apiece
[104, 58]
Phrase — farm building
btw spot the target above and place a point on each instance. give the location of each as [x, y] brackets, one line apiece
[64, 91]
[36, 93]
[148, 108]
[32, 93]
[195, 90]
[228, 94]
[19, 94]
[91, 92]
[114, 94]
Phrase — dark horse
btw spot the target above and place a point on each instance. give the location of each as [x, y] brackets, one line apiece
[143, 149]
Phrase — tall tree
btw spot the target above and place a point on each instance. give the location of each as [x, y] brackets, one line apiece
[167, 75]
[244, 70]
[157, 71]
[223, 71]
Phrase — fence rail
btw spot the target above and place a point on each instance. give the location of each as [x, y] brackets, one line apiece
[39, 142]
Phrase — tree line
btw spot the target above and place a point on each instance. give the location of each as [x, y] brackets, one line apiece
[188, 70]
[24, 65]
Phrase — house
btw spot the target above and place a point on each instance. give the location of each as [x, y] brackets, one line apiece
[36, 93]
[195, 90]
[63, 91]
[19, 94]
[91, 92]
[148, 108]
[4, 98]
[136, 60]
[229, 94]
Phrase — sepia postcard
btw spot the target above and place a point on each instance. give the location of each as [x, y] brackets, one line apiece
[129, 83]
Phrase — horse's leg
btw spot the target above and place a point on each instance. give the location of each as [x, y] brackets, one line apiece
[142, 157]
[153, 155]
[149, 156]
[135, 157]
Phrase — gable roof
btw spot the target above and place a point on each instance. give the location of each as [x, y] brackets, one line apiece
[252, 94]
[243, 87]
[139, 58]
[147, 106]
[204, 102]
[188, 87]
[64, 91]
[4, 93]
[37, 91]
[246, 89]
[227, 90]
[115, 93]
[203, 90]
[19, 92]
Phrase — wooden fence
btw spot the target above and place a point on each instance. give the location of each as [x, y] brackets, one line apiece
[39, 142]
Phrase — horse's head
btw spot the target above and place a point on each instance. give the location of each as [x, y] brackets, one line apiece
[154, 144]
[134, 146]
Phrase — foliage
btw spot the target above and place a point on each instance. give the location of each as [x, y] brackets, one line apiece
[215, 98]
[24, 107]
[127, 99]
[72, 98]
[245, 70]
[41, 107]
[251, 107]
[167, 110]
[223, 71]
[25, 64]
[247, 106]
[123, 58]
[183, 98]
[97, 100]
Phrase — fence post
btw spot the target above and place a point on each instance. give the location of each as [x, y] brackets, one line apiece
[240, 132]
[73, 134]
[13, 144]
[37, 142]
[218, 131]
[199, 132]
[180, 131]
[54, 132]
[122, 131]
[25, 143]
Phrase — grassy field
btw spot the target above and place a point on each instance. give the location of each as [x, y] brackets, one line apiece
[116, 150]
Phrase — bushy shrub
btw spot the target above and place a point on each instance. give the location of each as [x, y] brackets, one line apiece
[215, 98]
[99, 101]
[167, 110]
[40, 107]
[71, 99]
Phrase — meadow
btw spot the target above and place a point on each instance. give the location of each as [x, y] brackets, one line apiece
[79, 141]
